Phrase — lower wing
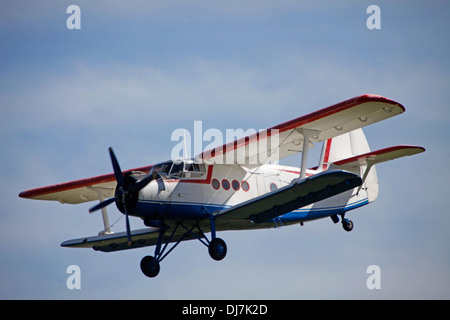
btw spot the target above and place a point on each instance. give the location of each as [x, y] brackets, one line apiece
[296, 195]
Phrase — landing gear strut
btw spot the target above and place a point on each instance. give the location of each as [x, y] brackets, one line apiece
[217, 248]
[346, 223]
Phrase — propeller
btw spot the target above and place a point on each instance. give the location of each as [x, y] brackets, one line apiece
[125, 188]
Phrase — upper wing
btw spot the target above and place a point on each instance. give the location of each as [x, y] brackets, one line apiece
[296, 195]
[287, 138]
[78, 191]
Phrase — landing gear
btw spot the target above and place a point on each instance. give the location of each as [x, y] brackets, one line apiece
[150, 266]
[217, 249]
[347, 225]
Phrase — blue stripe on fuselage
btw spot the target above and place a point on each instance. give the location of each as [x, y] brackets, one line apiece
[176, 210]
[317, 213]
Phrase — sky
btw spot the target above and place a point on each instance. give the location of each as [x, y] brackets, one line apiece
[138, 70]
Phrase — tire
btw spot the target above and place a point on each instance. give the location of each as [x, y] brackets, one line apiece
[150, 266]
[347, 225]
[217, 249]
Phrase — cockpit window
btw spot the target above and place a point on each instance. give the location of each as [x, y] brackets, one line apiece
[177, 169]
[163, 167]
[181, 169]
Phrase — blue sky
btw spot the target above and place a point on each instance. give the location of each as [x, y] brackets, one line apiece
[137, 71]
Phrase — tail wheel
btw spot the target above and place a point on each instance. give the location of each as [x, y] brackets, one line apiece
[347, 225]
[217, 249]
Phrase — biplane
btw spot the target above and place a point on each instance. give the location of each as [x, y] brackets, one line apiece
[236, 187]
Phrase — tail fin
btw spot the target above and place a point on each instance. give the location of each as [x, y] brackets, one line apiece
[346, 146]
[351, 152]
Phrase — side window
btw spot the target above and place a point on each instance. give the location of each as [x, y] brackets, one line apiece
[245, 186]
[194, 170]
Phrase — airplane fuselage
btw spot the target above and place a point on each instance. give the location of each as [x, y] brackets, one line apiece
[196, 195]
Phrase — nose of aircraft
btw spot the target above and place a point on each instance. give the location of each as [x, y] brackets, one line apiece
[153, 202]
[152, 190]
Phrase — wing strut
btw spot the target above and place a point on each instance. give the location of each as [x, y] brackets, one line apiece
[366, 173]
[307, 135]
[106, 224]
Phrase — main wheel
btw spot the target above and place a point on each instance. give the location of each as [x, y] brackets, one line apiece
[347, 224]
[150, 266]
[217, 249]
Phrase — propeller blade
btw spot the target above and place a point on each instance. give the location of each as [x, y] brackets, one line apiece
[141, 184]
[117, 171]
[102, 204]
[121, 193]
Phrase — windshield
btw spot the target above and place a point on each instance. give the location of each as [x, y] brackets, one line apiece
[180, 169]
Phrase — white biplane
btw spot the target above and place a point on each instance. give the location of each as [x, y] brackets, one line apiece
[185, 199]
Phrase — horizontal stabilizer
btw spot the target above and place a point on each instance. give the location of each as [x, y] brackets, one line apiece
[296, 195]
[378, 156]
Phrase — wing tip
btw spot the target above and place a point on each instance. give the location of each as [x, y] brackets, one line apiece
[27, 194]
[378, 98]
